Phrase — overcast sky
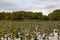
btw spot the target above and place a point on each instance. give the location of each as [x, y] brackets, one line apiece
[45, 6]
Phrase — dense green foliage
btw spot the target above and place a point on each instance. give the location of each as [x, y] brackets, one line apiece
[21, 15]
[55, 15]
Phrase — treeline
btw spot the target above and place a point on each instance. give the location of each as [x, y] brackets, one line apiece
[21, 15]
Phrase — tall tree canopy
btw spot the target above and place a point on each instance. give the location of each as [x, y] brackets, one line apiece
[55, 15]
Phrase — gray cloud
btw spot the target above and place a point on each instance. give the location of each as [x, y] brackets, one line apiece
[29, 5]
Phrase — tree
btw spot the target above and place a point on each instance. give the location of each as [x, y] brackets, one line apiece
[17, 16]
[38, 15]
[2, 16]
[55, 15]
[45, 18]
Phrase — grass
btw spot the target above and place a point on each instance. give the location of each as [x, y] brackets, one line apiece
[27, 26]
